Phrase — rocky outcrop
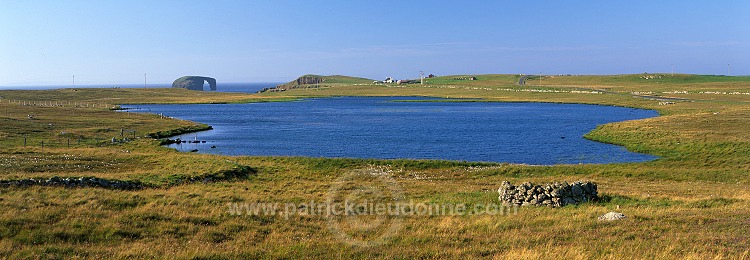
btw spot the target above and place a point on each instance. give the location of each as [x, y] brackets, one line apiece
[551, 195]
[308, 79]
[194, 82]
[305, 81]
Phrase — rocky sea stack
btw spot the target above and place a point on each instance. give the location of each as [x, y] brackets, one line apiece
[194, 82]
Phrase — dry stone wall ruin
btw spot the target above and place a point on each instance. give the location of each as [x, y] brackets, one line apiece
[552, 195]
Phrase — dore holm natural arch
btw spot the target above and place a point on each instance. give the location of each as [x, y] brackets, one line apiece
[194, 82]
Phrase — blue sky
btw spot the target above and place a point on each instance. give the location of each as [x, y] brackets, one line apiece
[111, 42]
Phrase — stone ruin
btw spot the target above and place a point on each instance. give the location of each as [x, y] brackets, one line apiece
[72, 182]
[551, 195]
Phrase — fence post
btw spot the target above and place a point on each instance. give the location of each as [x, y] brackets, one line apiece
[24, 141]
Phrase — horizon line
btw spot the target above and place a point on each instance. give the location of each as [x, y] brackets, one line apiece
[245, 82]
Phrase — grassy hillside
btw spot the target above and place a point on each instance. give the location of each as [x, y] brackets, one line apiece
[481, 80]
[339, 79]
[124, 96]
[652, 82]
[693, 202]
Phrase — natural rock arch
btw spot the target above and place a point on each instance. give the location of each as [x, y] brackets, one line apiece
[194, 82]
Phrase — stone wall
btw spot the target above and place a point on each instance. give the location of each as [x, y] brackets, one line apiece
[74, 182]
[239, 172]
[551, 195]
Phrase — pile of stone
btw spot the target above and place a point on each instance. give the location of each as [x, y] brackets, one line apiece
[74, 183]
[551, 195]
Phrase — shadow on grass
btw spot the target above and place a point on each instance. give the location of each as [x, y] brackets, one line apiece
[613, 199]
[713, 202]
[620, 200]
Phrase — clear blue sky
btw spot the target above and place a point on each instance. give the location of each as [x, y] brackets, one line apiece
[108, 42]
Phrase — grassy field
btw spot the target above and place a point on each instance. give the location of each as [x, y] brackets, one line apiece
[693, 202]
[91, 96]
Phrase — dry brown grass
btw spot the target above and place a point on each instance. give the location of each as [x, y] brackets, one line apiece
[693, 203]
[192, 221]
[127, 96]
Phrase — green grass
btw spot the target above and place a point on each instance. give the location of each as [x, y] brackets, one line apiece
[693, 202]
[82, 96]
[666, 82]
[502, 79]
[339, 79]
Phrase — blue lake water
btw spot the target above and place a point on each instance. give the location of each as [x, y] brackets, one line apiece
[383, 127]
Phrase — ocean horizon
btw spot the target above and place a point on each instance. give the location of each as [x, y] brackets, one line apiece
[244, 87]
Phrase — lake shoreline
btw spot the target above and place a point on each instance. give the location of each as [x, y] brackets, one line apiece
[396, 101]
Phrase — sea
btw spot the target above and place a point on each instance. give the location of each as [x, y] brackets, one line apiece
[220, 87]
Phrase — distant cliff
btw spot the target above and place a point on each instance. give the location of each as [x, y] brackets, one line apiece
[315, 81]
[194, 82]
[301, 82]
[307, 79]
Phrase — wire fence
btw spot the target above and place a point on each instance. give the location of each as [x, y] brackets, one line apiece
[122, 136]
[49, 103]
